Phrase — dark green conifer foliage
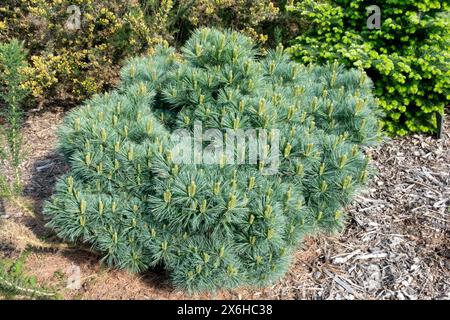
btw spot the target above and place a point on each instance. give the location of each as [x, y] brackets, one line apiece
[223, 225]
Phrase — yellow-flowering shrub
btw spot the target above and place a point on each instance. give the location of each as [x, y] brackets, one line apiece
[71, 61]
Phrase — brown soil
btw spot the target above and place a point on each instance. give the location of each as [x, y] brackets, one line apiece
[396, 245]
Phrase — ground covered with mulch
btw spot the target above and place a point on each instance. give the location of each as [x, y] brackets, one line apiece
[396, 245]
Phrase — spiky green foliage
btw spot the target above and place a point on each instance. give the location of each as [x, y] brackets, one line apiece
[12, 95]
[222, 225]
[16, 284]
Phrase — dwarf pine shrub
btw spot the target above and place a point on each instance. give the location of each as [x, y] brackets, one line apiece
[214, 224]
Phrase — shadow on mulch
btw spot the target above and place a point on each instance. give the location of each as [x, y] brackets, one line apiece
[45, 173]
[158, 279]
[2, 207]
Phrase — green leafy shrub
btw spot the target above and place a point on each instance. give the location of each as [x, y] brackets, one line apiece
[12, 95]
[224, 224]
[408, 58]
